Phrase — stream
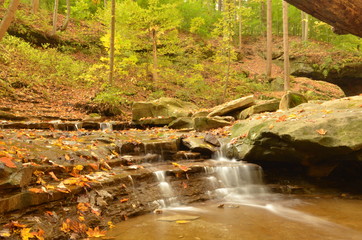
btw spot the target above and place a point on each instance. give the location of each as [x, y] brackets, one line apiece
[244, 208]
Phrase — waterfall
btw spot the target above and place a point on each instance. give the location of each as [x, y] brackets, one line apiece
[168, 197]
[106, 126]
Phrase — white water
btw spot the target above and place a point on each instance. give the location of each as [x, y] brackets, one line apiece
[105, 126]
[168, 198]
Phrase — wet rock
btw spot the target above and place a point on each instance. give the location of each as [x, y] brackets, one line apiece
[168, 108]
[232, 106]
[15, 178]
[265, 106]
[319, 138]
[290, 100]
[207, 123]
[199, 145]
[184, 155]
[212, 139]
[9, 116]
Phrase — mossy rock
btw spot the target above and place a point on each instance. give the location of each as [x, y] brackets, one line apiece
[291, 100]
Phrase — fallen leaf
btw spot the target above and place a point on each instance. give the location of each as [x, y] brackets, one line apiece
[182, 221]
[124, 200]
[36, 190]
[67, 157]
[7, 161]
[95, 232]
[321, 131]
[26, 234]
[271, 126]
[53, 176]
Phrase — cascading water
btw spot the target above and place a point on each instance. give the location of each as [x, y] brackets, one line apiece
[106, 126]
[168, 197]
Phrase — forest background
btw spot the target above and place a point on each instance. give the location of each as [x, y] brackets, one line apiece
[204, 51]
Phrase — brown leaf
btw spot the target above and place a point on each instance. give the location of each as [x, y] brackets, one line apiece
[95, 232]
[36, 190]
[53, 176]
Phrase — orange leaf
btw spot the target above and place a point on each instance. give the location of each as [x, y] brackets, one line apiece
[67, 157]
[321, 131]
[36, 190]
[95, 232]
[282, 118]
[7, 161]
[124, 200]
[94, 166]
[53, 176]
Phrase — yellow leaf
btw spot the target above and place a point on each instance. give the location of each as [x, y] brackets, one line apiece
[182, 221]
[26, 234]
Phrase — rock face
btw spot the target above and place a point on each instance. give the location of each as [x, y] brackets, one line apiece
[163, 108]
[317, 136]
[343, 15]
[232, 106]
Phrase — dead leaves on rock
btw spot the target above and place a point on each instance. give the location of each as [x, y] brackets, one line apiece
[321, 131]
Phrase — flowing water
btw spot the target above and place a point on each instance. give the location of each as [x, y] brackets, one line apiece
[243, 208]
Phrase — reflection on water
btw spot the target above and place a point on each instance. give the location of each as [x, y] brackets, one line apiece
[322, 219]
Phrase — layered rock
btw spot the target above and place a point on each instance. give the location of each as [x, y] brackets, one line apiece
[318, 136]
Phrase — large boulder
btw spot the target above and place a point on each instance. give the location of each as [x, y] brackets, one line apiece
[263, 106]
[207, 123]
[167, 109]
[231, 107]
[318, 136]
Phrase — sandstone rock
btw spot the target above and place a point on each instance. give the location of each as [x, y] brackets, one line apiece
[235, 105]
[199, 145]
[207, 123]
[318, 138]
[162, 108]
[9, 116]
[290, 100]
[182, 122]
[159, 121]
[212, 139]
[266, 106]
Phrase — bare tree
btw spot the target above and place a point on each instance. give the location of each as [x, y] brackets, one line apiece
[66, 21]
[8, 18]
[286, 46]
[35, 6]
[113, 33]
[304, 26]
[240, 28]
[269, 40]
[55, 16]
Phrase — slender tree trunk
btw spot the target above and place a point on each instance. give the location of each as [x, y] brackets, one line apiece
[55, 16]
[113, 33]
[105, 3]
[240, 29]
[66, 21]
[286, 46]
[219, 5]
[304, 26]
[269, 41]
[227, 76]
[8, 18]
[154, 52]
[35, 6]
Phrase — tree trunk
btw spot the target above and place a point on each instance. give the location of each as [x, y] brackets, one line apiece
[219, 5]
[154, 52]
[286, 46]
[344, 15]
[55, 16]
[35, 6]
[113, 33]
[304, 26]
[269, 41]
[105, 3]
[240, 29]
[8, 18]
[66, 21]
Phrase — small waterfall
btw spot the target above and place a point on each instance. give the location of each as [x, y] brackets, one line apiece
[78, 125]
[169, 198]
[106, 126]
